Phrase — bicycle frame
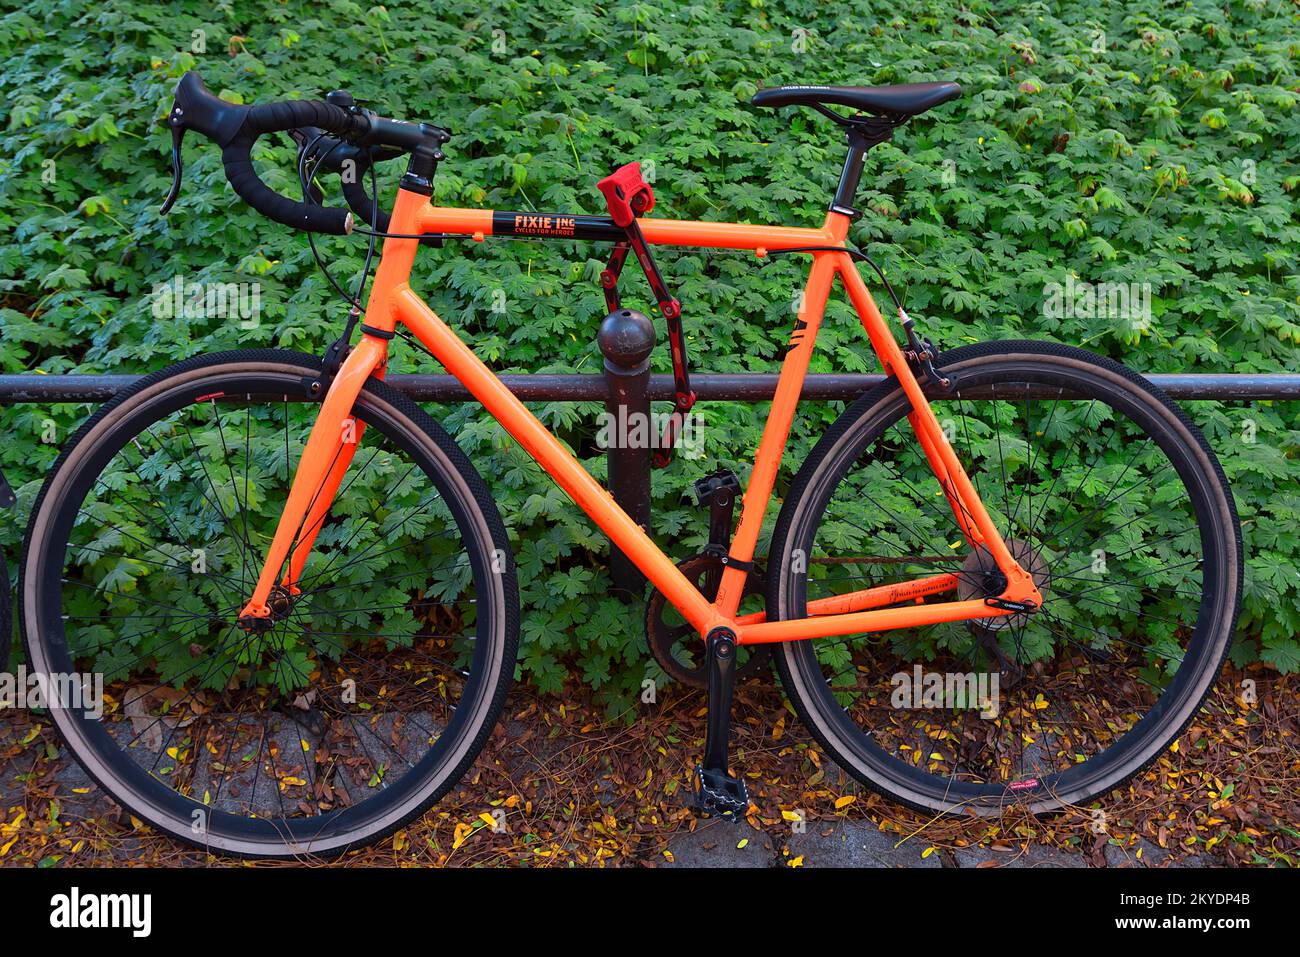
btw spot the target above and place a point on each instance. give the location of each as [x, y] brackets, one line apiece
[334, 437]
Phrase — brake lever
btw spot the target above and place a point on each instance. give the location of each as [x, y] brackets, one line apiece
[333, 155]
[178, 129]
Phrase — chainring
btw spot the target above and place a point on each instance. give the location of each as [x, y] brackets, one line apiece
[675, 644]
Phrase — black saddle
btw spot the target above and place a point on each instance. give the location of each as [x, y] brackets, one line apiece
[899, 102]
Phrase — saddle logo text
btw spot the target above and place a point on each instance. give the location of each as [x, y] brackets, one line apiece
[78, 910]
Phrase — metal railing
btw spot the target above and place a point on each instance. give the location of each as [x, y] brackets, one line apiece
[733, 387]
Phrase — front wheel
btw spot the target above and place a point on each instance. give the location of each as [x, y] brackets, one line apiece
[384, 671]
[1104, 492]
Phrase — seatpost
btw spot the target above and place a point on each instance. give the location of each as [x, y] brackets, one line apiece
[863, 133]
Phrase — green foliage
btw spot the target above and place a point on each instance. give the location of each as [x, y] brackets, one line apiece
[1145, 141]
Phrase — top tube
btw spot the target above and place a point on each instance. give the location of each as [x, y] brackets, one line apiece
[481, 223]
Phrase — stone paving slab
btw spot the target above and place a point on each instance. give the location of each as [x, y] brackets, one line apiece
[859, 844]
[714, 843]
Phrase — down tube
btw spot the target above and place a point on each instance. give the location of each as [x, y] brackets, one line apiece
[577, 483]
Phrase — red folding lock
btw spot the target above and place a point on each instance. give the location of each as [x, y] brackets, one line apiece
[627, 194]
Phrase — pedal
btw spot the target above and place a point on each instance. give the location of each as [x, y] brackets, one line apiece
[720, 488]
[718, 492]
[717, 792]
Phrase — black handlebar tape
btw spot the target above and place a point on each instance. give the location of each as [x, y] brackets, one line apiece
[279, 117]
[235, 127]
[290, 114]
[244, 179]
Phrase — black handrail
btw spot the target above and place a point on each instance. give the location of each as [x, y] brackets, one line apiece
[734, 387]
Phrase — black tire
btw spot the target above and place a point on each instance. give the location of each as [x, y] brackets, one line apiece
[6, 609]
[868, 747]
[486, 638]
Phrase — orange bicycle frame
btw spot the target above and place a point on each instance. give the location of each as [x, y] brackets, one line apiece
[334, 436]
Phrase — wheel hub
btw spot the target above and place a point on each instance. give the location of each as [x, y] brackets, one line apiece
[980, 577]
[280, 605]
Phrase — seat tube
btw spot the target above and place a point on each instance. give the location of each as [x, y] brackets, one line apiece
[777, 430]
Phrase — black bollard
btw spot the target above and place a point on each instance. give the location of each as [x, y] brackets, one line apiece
[626, 339]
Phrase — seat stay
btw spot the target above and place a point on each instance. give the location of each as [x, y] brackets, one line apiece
[967, 506]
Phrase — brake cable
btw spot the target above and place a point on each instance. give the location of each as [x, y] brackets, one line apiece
[332, 361]
[852, 254]
[920, 350]
[306, 182]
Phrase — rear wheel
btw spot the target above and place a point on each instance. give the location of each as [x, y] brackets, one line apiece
[1105, 492]
[379, 680]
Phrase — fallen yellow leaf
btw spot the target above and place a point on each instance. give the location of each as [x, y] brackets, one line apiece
[461, 834]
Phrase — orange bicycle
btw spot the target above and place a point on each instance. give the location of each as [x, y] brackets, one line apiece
[1008, 575]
